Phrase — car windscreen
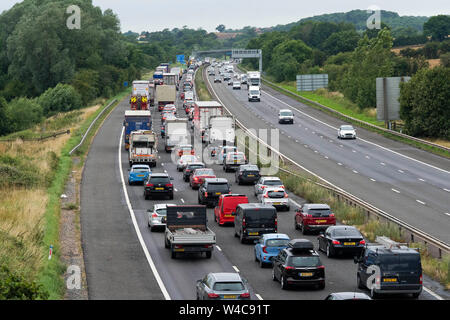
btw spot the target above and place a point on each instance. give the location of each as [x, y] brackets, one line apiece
[347, 128]
[253, 218]
[350, 232]
[277, 242]
[306, 261]
[205, 172]
[193, 167]
[254, 172]
[287, 113]
[159, 180]
[273, 183]
[161, 212]
[140, 170]
[236, 157]
[254, 92]
[319, 212]
[399, 262]
[228, 286]
[218, 187]
[275, 194]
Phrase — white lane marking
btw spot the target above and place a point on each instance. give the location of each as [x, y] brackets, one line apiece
[395, 190]
[446, 190]
[421, 202]
[341, 146]
[339, 163]
[401, 171]
[165, 171]
[298, 205]
[306, 146]
[447, 213]
[182, 200]
[373, 179]
[382, 163]
[236, 269]
[326, 157]
[218, 248]
[136, 227]
[175, 189]
[384, 148]
[315, 151]
[421, 179]
[296, 141]
[353, 151]
[162, 164]
[354, 171]
[436, 296]
[258, 296]
[367, 157]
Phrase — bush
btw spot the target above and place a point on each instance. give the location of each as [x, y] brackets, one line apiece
[445, 59]
[23, 113]
[15, 287]
[61, 98]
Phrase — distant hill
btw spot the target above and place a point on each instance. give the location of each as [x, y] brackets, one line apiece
[359, 19]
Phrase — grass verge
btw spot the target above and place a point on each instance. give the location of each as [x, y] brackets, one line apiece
[200, 86]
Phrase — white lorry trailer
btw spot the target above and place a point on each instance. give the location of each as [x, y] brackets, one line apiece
[221, 130]
[203, 111]
[176, 133]
[253, 79]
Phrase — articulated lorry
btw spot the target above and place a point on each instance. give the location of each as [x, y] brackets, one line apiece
[203, 111]
[136, 120]
[220, 130]
[187, 231]
[140, 96]
[170, 79]
[142, 149]
[176, 133]
[165, 94]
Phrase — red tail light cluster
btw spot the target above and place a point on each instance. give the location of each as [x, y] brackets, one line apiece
[335, 242]
[213, 295]
[149, 185]
[289, 268]
[362, 242]
[245, 295]
[169, 185]
[264, 249]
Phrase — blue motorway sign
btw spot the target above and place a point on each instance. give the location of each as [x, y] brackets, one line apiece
[180, 58]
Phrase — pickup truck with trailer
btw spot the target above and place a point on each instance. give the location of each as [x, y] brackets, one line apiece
[203, 111]
[143, 148]
[136, 120]
[187, 231]
[165, 94]
[176, 133]
[220, 129]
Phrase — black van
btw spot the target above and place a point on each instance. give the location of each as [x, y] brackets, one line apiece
[253, 220]
[400, 270]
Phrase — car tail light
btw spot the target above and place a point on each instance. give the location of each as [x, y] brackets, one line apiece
[321, 267]
[266, 196]
[195, 179]
[362, 242]
[149, 185]
[169, 185]
[420, 279]
[309, 215]
[285, 195]
[264, 249]
[276, 222]
[213, 295]
[243, 222]
[245, 295]
[178, 246]
[192, 152]
[289, 268]
[154, 215]
[206, 194]
[207, 246]
[331, 215]
[335, 242]
[263, 187]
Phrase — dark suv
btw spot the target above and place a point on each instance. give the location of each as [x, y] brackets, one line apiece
[253, 220]
[247, 173]
[190, 168]
[299, 264]
[158, 184]
[400, 270]
[211, 189]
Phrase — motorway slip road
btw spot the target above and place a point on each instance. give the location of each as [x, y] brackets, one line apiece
[116, 262]
[410, 184]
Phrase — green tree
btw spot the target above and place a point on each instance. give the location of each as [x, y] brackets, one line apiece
[61, 98]
[23, 113]
[15, 287]
[438, 27]
[4, 121]
[341, 42]
[445, 59]
[424, 103]
[220, 28]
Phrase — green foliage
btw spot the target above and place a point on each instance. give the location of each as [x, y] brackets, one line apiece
[220, 28]
[23, 113]
[424, 103]
[438, 27]
[61, 98]
[17, 172]
[4, 123]
[341, 42]
[14, 286]
[445, 59]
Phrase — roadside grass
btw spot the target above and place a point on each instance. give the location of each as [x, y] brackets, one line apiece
[200, 86]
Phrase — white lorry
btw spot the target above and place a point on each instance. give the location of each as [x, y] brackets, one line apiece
[220, 130]
[253, 79]
[176, 133]
[254, 94]
[143, 148]
[203, 111]
[187, 231]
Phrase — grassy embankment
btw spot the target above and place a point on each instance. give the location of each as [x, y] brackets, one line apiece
[200, 86]
[304, 185]
[32, 178]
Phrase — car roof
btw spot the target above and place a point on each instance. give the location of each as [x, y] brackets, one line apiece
[196, 164]
[226, 276]
[220, 180]
[285, 110]
[351, 295]
[233, 195]
[256, 205]
[316, 206]
[268, 236]
[248, 166]
[343, 227]
[271, 178]
[140, 166]
[274, 189]
[162, 205]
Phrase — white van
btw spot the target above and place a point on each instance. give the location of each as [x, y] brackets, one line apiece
[254, 94]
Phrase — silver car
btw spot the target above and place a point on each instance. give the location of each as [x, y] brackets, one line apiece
[184, 160]
[222, 286]
[267, 182]
[157, 216]
[223, 153]
[276, 197]
[346, 132]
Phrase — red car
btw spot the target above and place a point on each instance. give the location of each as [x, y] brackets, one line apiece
[199, 176]
[223, 212]
[313, 216]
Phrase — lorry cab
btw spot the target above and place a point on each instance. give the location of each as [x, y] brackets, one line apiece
[226, 207]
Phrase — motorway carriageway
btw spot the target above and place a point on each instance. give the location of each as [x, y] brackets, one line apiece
[124, 260]
[410, 184]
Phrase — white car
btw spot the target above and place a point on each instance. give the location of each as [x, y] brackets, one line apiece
[157, 216]
[236, 85]
[286, 116]
[277, 197]
[346, 132]
[184, 160]
[223, 153]
[267, 182]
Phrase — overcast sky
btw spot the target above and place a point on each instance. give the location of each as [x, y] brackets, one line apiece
[154, 15]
